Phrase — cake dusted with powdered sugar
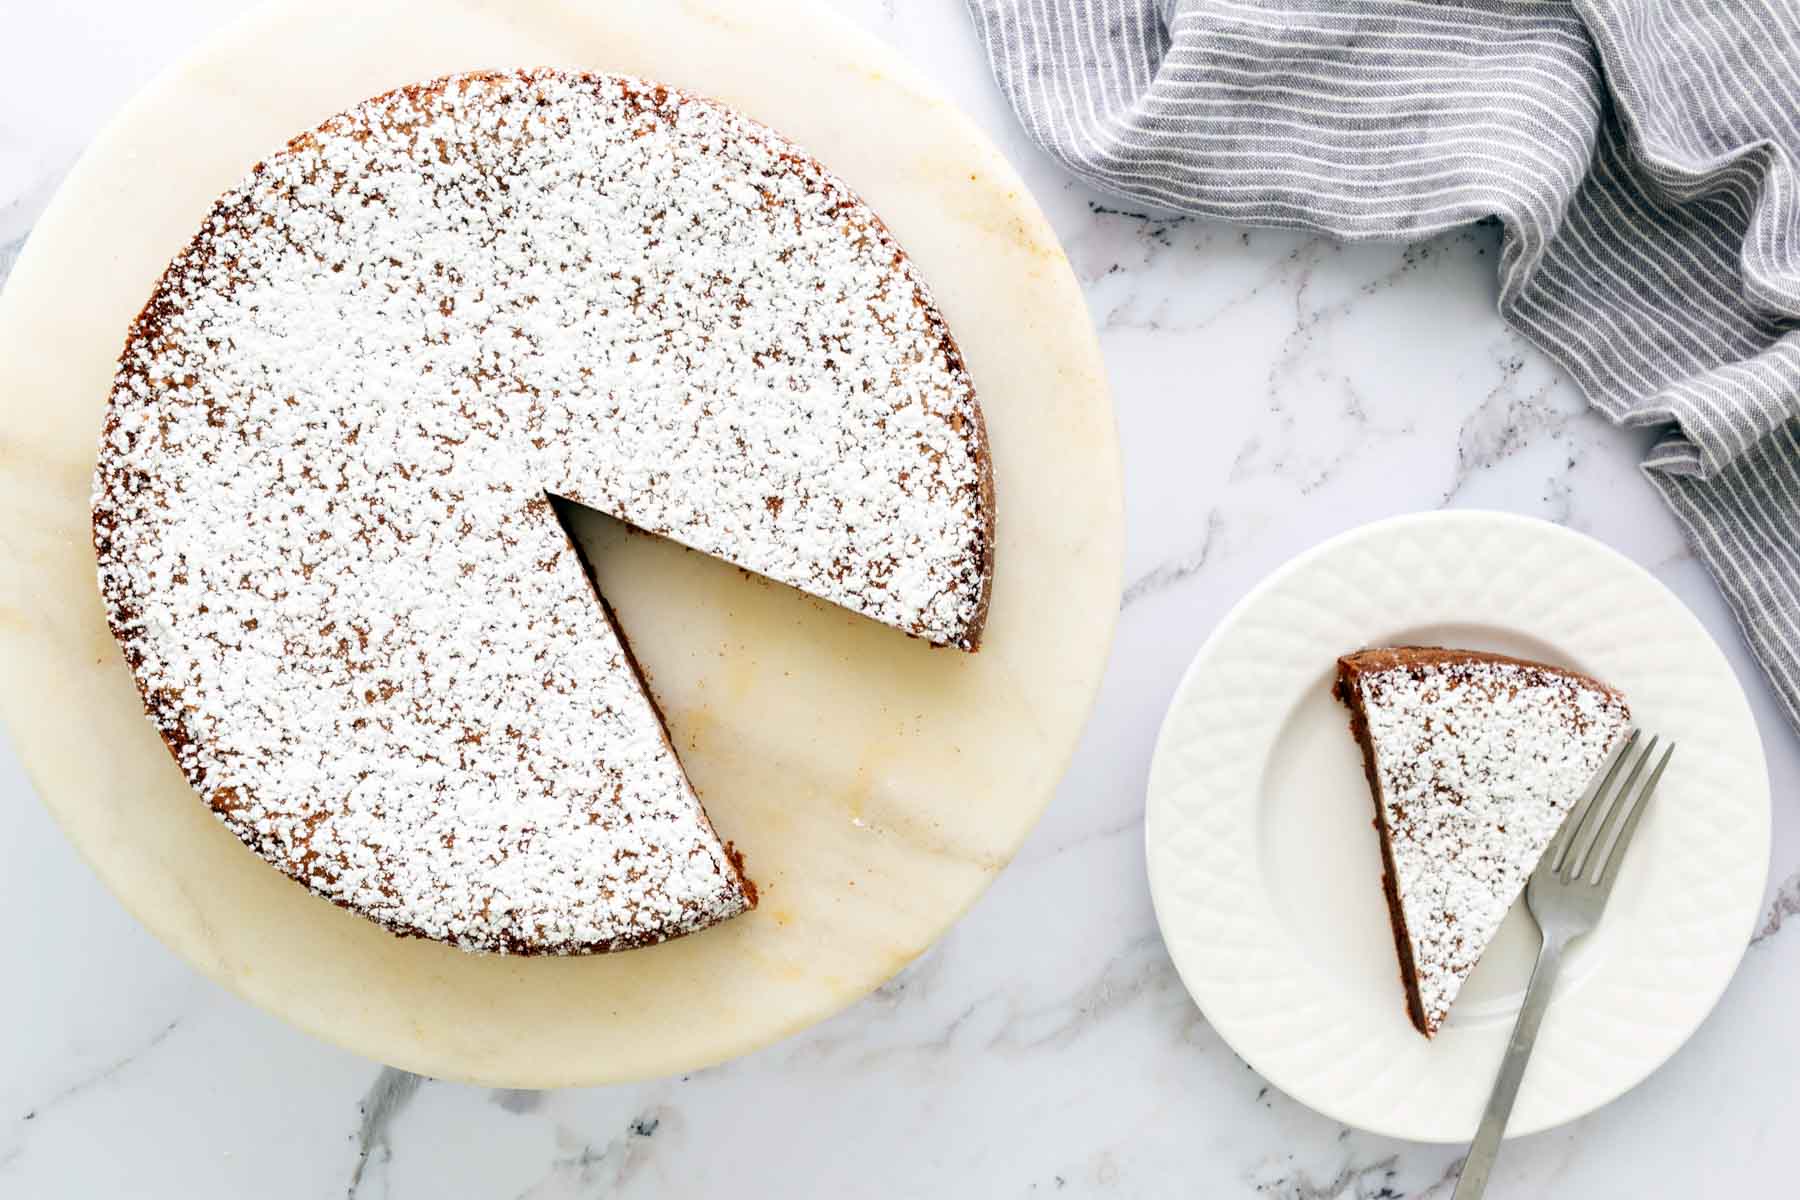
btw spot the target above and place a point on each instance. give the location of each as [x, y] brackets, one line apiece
[1474, 760]
[321, 506]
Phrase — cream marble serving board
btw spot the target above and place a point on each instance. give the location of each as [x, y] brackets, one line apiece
[876, 785]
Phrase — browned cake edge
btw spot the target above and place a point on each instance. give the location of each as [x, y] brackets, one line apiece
[1345, 690]
[1389, 657]
[984, 463]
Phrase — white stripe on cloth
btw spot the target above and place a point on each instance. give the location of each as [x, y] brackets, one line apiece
[1642, 154]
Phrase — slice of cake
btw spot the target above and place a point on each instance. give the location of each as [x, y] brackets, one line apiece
[322, 506]
[1474, 760]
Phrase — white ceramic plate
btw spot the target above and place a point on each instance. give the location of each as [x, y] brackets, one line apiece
[1266, 872]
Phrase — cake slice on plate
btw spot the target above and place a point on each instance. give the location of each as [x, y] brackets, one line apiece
[1474, 760]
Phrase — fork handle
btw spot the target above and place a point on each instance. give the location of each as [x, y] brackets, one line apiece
[1480, 1163]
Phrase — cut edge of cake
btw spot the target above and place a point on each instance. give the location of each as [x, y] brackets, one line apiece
[734, 858]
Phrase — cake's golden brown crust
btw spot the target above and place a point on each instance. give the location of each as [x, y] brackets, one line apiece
[983, 550]
[1365, 662]
[1345, 690]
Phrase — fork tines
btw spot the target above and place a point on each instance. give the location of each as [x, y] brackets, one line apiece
[1592, 841]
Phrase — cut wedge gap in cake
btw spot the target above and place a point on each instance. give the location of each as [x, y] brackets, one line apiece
[733, 859]
[1473, 761]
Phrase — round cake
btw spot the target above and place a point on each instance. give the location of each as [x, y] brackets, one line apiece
[322, 506]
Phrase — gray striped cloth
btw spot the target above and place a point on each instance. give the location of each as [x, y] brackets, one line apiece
[1640, 154]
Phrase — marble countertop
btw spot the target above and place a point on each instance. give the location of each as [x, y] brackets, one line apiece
[1045, 1046]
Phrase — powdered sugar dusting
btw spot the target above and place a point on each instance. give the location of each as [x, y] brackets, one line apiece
[1478, 761]
[320, 514]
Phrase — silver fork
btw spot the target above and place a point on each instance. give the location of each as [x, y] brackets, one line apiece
[1565, 896]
